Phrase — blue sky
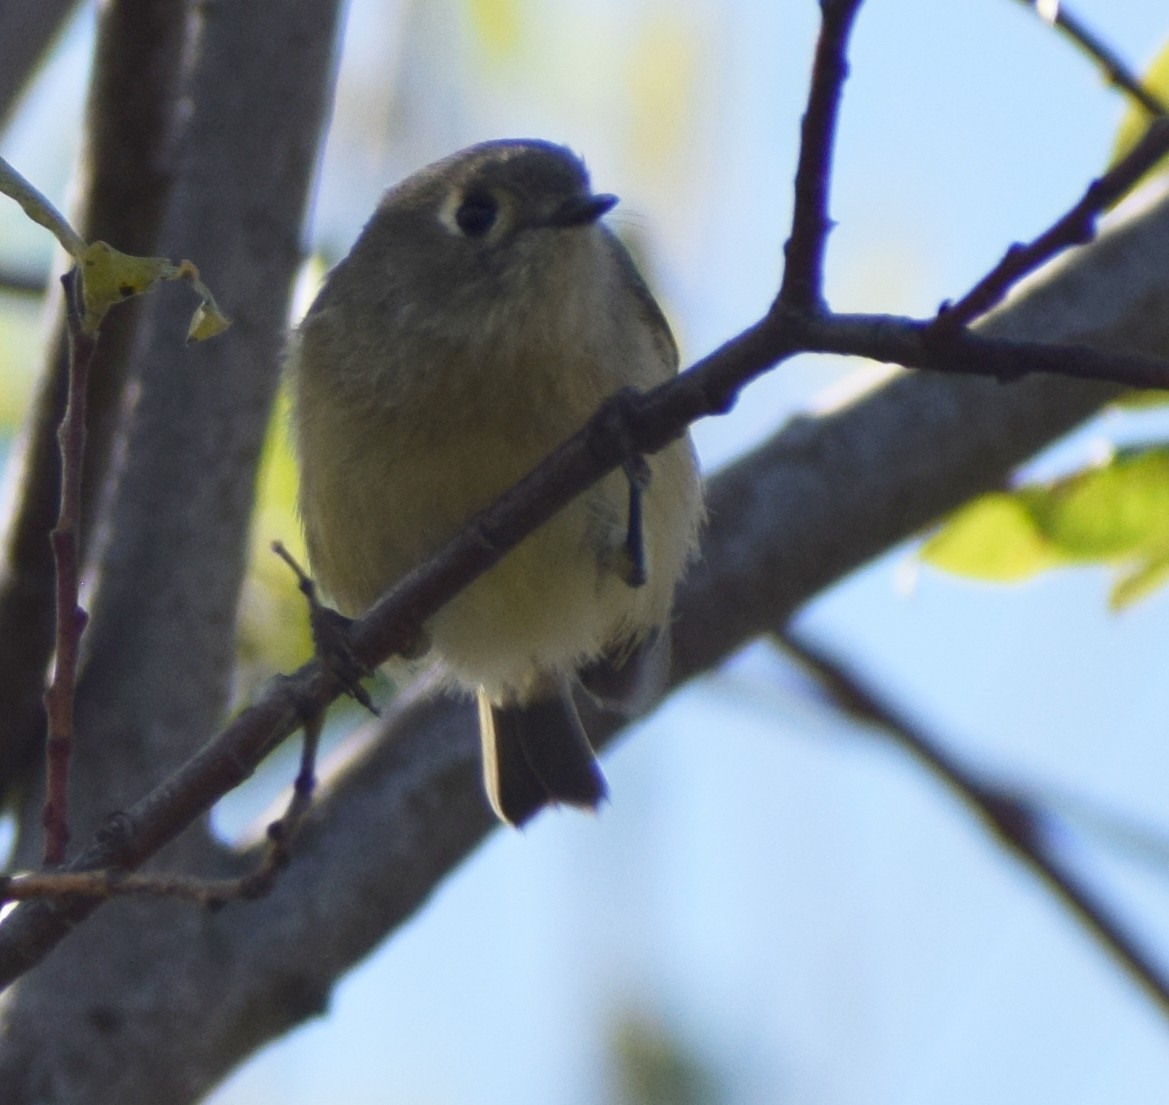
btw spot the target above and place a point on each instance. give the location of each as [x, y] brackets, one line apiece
[779, 890]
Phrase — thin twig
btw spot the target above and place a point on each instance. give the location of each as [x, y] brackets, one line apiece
[918, 344]
[38, 208]
[1075, 227]
[111, 882]
[101, 885]
[803, 275]
[1017, 821]
[1116, 71]
[66, 542]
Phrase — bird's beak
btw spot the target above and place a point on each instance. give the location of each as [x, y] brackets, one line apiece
[582, 210]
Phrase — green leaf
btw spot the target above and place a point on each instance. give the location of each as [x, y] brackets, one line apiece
[993, 538]
[1116, 510]
[1116, 514]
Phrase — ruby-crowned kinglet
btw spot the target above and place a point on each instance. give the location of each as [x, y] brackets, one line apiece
[481, 318]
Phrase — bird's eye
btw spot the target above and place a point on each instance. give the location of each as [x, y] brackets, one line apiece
[477, 213]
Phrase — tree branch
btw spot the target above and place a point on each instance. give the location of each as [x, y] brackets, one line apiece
[914, 344]
[1020, 823]
[803, 274]
[892, 464]
[70, 618]
[1075, 227]
[1116, 71]
[400, 817]
[405, 814]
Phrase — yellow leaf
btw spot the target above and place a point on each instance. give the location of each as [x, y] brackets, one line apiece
[206, 322]
[109, 276]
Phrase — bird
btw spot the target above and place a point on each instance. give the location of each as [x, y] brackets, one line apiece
[483, 315]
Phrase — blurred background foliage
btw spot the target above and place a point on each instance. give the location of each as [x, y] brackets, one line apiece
[1116, 513]
[20, 342]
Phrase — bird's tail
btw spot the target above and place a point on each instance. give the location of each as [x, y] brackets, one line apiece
[535, 754]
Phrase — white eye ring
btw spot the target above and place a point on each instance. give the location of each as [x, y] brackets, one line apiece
[477, 214]
[474, 213]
